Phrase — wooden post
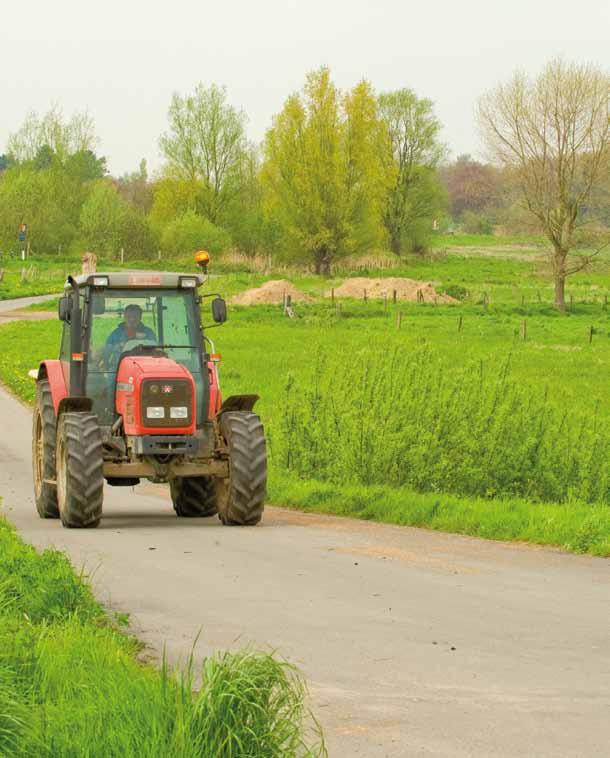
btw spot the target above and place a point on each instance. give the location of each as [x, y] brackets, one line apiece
[591, 333]
[460, 323]
[398, 320]
[365, 296]
[394, 293]
[122, 256]
[524, 329]
[332, 295]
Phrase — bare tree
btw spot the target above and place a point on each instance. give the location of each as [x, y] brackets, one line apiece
[553, 133]
[53, 132]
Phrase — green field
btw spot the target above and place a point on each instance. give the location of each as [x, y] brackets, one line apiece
[489, 417]
[71, 684]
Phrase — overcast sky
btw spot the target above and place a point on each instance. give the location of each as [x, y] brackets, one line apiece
[122, 59]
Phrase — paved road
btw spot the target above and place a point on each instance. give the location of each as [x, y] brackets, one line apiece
[414, 643]
[23, 302]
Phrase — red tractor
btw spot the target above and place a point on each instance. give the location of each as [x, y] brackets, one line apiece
[135, 395]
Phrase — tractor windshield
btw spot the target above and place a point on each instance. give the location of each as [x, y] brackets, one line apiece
[122, 320]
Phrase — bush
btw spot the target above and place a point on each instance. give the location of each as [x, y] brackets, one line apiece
[192, 232]
[406, 421]
[476, 223]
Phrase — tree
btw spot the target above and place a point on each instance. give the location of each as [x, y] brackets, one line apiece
[322, 172]
[553, 133]
[471, 186]
[60, 136]
[415, 152]
[136, 189]
[191, 232]
[102, 218]
[206, 143]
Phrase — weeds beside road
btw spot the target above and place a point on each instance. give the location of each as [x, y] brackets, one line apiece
[71, 684]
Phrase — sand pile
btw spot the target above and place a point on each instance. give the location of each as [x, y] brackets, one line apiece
[271, 293]
[406, 289]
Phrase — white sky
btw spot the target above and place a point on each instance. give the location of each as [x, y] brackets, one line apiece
[122, 60]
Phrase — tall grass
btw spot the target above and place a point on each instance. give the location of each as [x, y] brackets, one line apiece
[404, 419]
[71, 685]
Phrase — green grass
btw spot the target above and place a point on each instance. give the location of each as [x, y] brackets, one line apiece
[71, 684]
[541, 438]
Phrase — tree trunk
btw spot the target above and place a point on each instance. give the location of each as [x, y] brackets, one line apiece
[322, 260]
[559, 274]
[396, 241]
[560, 291]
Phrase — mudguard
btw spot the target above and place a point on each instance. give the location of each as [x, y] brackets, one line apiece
[52, 371]
[238, 403]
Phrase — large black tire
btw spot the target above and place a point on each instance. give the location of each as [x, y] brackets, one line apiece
[43, 452]
[194, 496]
[80, 470]
[243, 498]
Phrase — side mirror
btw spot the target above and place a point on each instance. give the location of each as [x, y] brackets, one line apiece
[219, 310]
[64, 309]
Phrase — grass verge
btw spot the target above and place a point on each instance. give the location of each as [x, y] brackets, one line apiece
[71, 685]
[577, 527]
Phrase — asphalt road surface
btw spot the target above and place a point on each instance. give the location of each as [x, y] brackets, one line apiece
[413, 643]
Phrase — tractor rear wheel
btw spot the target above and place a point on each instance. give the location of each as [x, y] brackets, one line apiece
[43, 452]
[194, 496]
[242, 496]
[80, 470]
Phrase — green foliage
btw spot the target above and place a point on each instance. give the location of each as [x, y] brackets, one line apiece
[476, 223]
[70, 683]
[473, 433]
[206, 143]
[414, 195]
[323, 174]
[48, 201]
[102, 217]
[191, 232]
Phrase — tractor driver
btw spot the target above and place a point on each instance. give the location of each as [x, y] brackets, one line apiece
[131, 329]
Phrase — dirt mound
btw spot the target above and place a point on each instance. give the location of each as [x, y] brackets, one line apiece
[406, 289]
[271, 293]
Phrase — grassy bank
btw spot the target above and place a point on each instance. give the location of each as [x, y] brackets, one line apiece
[71, 685]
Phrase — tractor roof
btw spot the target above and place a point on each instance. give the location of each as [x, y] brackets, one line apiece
[139, 279]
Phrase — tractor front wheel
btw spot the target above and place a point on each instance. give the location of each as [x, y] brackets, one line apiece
[80, 470]
[43, 452]
[241, 497]
[194, 496]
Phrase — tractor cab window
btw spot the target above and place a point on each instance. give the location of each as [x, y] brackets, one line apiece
[128, 321]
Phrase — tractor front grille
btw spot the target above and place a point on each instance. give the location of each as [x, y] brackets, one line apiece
[161, 396]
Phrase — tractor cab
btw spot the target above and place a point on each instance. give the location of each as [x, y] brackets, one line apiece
[136, 387]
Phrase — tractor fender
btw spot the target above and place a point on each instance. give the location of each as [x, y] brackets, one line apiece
[238, 403]
[55, 376]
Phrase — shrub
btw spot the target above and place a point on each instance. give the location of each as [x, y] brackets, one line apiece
[192, 232]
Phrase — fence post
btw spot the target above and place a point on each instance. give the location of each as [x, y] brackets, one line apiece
[332, 295]
[591, 333]
[398, 320]
[524, 329]
[460, 323]
[394, 296]
[122, 256]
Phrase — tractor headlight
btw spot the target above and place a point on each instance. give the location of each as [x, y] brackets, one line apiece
[155, 411]
[179, 411]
